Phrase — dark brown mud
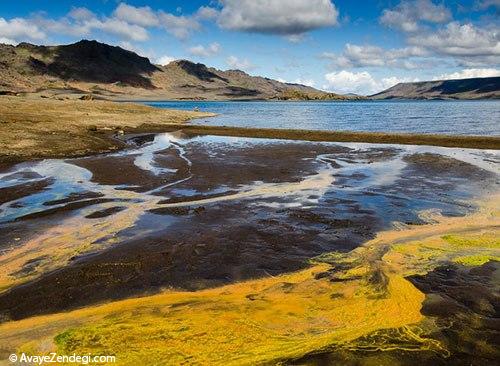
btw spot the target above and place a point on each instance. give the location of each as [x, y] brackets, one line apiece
[228, 212]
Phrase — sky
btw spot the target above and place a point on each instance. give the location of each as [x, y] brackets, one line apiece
[343, 46]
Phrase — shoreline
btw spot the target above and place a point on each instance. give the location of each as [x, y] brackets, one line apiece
[32, 129]
[43, 128]
[460, 141]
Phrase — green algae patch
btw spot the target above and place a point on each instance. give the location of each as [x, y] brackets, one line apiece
[421, 256]
[475, 260]
[485, 240]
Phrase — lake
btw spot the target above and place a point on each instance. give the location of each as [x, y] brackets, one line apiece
[441, 117]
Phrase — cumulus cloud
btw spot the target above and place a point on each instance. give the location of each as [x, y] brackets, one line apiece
[205, 51]
[306, 82]
[359, 82]
[142, 16]
[368, 55]
[120, 28]
[8, 41]
[18, 29]
[206, 12]
[469, 45]
[65, 25]
[179, 26]
[461, 40]
[296, 38]
[469, 73]
[240, 64]
[81, 14]
[285, 17]
[407, 15]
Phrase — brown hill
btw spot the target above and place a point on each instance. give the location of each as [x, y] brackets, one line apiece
[474, 88]
[114, 73]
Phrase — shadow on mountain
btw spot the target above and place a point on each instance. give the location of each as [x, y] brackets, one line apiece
[240, 92]
[199, 71]
[481, 85]
[91, 61]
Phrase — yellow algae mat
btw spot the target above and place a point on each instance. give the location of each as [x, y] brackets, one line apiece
[331, 304]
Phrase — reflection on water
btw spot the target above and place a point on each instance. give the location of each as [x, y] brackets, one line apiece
[449, 117]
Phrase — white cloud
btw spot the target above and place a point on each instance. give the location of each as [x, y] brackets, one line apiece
[65, 25]
[206, 12]
[407, 14]
[8, 41]
[284, 17]
[202, 51]
[307, 82]
[350, 82]
[365, 56]
[165, 60]
[469, 73]
[120, 28]
[180, 26]
[359, 82]
[81, 14]
[240, 64]
[19, 29]
[142, 16]
[461, 40]
[296, 38]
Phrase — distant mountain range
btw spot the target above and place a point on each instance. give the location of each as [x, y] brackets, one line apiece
[476, 88]
[114, 73]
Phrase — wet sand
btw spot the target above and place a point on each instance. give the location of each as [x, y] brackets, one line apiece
[202, 227]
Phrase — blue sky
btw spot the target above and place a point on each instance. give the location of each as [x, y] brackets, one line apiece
[342, 46]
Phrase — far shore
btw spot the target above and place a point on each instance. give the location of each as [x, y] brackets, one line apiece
[36, 128]
[463, 141]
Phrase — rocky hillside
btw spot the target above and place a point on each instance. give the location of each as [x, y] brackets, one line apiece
[476, 88]
[111, 72]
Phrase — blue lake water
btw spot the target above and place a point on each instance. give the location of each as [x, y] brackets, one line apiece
[446, 117]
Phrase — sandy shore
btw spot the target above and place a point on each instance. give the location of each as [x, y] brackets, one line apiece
[45, 128]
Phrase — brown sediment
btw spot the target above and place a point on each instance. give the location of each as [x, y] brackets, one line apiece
[32, 128]
[361, 301]
[476, 142]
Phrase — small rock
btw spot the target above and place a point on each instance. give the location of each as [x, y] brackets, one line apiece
[199, 210]
[87, 97]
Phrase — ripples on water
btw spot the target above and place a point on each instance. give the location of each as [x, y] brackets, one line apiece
[447, 117]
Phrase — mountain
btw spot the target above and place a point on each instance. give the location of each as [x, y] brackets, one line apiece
[114, 73]
[476, 88]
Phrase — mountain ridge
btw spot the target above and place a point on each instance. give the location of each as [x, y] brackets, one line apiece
[470, 88]
[111, 72]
